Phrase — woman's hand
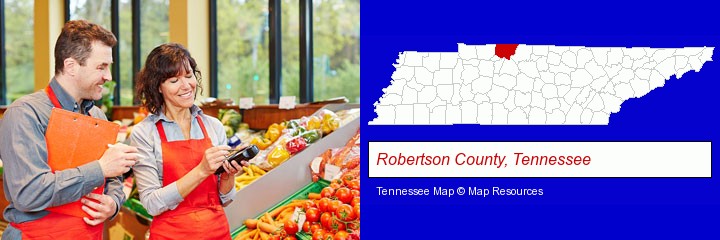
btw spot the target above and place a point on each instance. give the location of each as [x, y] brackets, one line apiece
[232, 170]
[227, 179]
[213, 159]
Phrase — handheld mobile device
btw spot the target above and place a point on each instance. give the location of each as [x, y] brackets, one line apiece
[237, 155]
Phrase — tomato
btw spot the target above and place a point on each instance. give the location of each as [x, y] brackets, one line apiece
[334, 186]
[355, 201]
[347, 178]
[345, 213]
[291, 227]
[314, 227]
[354, 184]
[326, 220]
[341, 235]
[336, 225]
[343, 194]
[308, 204]
[290, 238]
[319, 234]
[355, 193]
[354, 225]
[306, 227]
[312, 215]
[333, 206]
[328, 236]
[356, 209]
[355, 235]
[274, 237]
[323, 204]
[327, 192]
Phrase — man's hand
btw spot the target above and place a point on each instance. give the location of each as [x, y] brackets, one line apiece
[118, 159]
[99, 207]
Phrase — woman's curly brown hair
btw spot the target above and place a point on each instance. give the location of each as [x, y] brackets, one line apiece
[165, 61]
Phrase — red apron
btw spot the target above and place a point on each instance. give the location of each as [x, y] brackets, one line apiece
[200, 215]
[57, 225]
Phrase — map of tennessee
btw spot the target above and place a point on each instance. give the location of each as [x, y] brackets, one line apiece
[527, 84]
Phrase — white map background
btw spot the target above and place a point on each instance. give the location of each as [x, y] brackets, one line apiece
[539, 85]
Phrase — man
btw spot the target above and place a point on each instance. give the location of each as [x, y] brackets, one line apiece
[83, 54]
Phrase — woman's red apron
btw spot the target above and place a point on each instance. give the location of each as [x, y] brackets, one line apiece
[200, 215]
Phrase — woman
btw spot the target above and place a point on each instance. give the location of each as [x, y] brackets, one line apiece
[180, 150]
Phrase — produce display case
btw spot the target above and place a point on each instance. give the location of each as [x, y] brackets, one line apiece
[281, 182]
[313, 187]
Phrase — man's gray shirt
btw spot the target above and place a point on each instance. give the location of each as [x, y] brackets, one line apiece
[29, 184]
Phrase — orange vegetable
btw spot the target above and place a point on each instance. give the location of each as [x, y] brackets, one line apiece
[251, 223]
[269, 219]
[266, 227]
[352, 163]
[285, 214]
[244, 234]
[264, 236]
[314, 196]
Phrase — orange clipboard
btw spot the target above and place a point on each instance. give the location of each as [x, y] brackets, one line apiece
[72, 140]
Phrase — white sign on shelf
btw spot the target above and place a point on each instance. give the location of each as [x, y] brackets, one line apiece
[331, 171]
[298, 216]
[246, 103]
[287, 102]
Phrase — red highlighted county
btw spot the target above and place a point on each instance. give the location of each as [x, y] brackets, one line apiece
[505, 50]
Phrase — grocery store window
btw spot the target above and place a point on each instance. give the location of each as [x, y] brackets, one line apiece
[100, 12]
[330, 41]
[154, 28]
[154, 25]
[18, 71]
[95, 11]
[142, 25]
[336, 55]
[125, 45]
[242, 50]
[290, 75]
